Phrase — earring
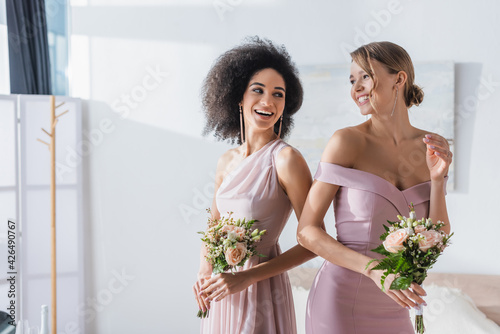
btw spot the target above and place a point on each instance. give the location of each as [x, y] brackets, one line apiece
[241, 125]
[279, 131]
[396, 100]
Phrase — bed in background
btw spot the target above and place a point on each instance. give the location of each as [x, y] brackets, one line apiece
[456, 303]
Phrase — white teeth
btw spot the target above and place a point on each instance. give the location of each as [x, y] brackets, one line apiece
[262, 112]
[363, 98]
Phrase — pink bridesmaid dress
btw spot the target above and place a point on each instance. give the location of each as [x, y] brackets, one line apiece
[342, 301]
[252, 191]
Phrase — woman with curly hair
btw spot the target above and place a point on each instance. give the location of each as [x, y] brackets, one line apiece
[249, 97]
[364, 171]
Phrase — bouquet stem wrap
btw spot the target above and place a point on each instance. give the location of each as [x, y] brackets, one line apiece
[419, 319]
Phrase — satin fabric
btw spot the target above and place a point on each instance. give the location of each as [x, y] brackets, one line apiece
[343, 301]
[252, 191]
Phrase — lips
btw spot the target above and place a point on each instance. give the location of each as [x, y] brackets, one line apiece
[363, 99]
[263, 112]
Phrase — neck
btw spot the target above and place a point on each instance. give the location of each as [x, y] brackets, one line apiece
[255, 140]
[395, 128]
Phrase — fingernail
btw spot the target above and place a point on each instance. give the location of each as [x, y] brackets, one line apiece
[425, 304]
[432, 146]
[426, 140]
[428, 136]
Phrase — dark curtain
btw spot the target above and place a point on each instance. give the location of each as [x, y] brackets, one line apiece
[28, 47]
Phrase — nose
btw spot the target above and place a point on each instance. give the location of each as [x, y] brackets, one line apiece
[266, 100]
[357, 86]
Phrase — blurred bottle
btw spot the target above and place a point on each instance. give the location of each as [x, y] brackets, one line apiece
[44, 327]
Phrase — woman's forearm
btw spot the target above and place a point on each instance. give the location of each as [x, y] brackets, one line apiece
[291, 258]
[322, 244]
[437, 207]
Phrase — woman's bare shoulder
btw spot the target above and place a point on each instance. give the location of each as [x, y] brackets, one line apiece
[290, 158]
[225, 162]
[345, 146]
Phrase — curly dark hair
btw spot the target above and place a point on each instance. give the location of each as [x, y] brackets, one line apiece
[227, 81]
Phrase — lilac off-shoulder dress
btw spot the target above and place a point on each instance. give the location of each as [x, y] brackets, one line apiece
[342, 301]
[252, 191]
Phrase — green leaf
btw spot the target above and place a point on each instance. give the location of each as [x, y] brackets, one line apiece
[381, 250]
[401, 283]
[382, 266]
[386, 264]
[382, 280]
[384, 236]
[401, 262]
[371, 261]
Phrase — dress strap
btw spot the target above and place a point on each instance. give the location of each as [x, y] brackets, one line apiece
[341, 176]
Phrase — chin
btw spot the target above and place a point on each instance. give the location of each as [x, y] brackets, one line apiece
[366, 112]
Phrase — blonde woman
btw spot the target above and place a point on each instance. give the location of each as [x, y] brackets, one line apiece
[363, 173]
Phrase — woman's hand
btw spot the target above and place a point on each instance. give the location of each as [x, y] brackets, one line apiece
[200, 297]
[225, 284]
[438, 156]
[406, 298]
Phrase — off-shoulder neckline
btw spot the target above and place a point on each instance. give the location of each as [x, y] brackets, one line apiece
[378, 177]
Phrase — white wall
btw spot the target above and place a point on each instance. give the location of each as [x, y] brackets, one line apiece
[145, 161]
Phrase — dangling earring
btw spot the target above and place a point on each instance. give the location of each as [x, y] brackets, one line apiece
[241, 124]
[279, 131]
[396, 100]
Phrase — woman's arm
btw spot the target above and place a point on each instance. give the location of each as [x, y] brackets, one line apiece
[439, 159]
[342, 149]
[205, 270]
[295, 178]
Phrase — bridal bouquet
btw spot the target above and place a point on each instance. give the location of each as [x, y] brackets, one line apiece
[411, 247]
[230, 243]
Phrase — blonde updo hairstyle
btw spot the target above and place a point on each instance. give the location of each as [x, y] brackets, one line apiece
[395, 59]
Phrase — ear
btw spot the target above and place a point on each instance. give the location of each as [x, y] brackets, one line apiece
[401, 78]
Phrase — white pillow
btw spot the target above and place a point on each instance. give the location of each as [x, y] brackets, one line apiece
[300, 296]
[449, 310]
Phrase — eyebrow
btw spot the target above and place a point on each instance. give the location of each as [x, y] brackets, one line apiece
[259, 84]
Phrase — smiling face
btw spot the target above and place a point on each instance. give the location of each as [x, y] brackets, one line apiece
[382, 94]
[264, 100]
